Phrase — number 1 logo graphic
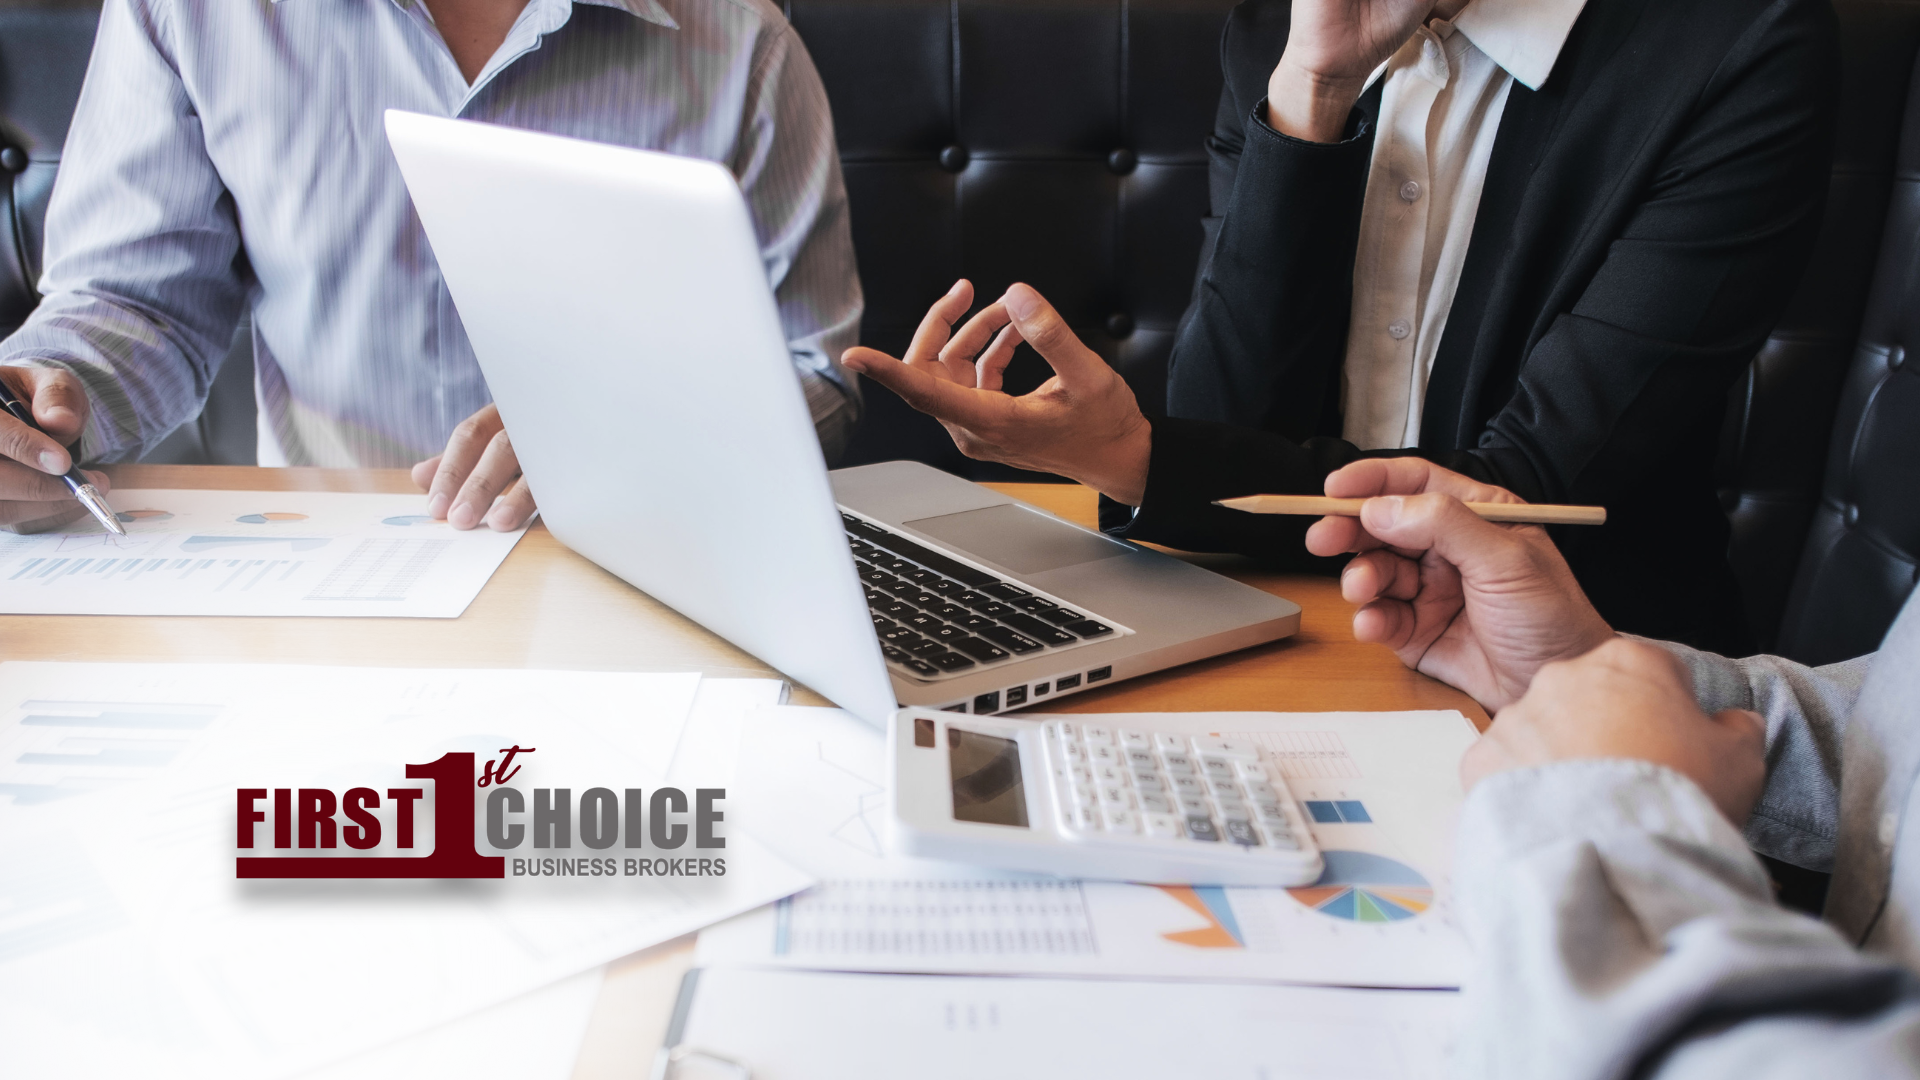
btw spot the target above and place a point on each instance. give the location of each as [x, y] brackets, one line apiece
[453, 851]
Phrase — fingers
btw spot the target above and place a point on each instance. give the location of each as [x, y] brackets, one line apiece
[1044, 329]
[1373, 477]
[58, 405]
[1443, 525]
[512, 509]
[490, 479]
[424, 471]
[1376, 574]
[1386, 622]
[1369, 477]
[937, 325]
[972, 339]
[930, 394]
[980, 351]
[1337, 535]
[26, 484]
[465, 447]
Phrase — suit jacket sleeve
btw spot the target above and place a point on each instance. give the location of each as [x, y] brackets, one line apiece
[1262, 340]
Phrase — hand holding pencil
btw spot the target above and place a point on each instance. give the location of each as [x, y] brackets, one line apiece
[1477, 605]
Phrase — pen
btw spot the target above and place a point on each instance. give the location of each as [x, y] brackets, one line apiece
[1321, 506]
[77, 481]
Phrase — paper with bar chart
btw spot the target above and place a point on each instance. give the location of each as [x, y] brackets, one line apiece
[253, 553]
[1381, 791]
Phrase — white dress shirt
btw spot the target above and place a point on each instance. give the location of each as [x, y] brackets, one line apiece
[1440, 109]
[229, 153]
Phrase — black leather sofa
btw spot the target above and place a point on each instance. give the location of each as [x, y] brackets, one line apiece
[1059, 142]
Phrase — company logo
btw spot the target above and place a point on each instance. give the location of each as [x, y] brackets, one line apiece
[361, 818]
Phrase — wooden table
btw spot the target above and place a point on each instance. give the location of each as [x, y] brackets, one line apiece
[549, 608]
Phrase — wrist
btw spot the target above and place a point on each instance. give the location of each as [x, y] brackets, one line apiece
[1123, 476]
[1309, 105]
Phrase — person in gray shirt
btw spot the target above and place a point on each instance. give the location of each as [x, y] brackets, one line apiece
[232, 157]
[1605, 867]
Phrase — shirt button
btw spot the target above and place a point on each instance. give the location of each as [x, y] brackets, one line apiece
[1410, 190]
[1399, 328]
[1889, 825]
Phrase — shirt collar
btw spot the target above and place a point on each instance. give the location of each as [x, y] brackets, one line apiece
[1523, 36]
[650, 10]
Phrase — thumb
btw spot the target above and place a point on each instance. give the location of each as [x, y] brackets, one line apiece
[1443, 525]
[1744, 724]
[59, 403]
[1047, 332]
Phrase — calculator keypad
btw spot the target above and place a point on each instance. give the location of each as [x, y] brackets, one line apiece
[1166, 786]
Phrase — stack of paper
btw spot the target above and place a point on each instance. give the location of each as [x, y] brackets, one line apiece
[128, 947]
[1381, 789]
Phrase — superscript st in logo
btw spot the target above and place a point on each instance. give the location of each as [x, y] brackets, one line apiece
[317, 818]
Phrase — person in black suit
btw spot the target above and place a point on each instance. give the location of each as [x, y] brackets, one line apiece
[1648, 196]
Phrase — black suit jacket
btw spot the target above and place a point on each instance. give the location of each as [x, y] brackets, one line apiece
[1646, 214]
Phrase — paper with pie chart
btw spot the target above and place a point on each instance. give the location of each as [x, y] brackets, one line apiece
[1381, 791]
[200, 552]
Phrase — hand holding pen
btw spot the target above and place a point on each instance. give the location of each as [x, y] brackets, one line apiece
[41, 486]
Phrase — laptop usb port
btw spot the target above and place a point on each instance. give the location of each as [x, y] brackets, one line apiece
[1100, 673]
[1066, 683]
[986, 703]
[1016, 695]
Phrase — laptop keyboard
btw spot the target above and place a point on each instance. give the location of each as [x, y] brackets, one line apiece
[937, 616]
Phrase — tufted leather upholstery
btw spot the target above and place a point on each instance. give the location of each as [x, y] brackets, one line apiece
[1859, 557]
[1780, 415]
[1057, 142]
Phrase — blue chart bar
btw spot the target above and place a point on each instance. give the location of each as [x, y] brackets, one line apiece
[1339, 811]
[1352, 811]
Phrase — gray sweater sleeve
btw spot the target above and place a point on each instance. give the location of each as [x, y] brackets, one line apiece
[1622, 928]
[1806, 710]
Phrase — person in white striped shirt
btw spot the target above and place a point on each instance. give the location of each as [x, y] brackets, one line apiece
[231, 157]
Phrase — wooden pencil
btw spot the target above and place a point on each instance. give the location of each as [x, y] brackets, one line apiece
[1322, 506]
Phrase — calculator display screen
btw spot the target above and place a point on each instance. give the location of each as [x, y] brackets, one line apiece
[986, 779]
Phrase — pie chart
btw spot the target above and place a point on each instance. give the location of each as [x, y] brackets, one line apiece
[271, 517]
[1360, 886]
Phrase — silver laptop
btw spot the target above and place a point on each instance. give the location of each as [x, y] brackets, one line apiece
[620, 310]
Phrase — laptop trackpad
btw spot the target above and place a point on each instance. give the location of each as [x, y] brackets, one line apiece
[1019, 539]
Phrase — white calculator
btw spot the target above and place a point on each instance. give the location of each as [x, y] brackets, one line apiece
[1076, 797]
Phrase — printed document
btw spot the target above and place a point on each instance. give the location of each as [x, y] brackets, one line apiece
[1381, 791]
[794, 1025]
[129, 947]
[253, 553]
